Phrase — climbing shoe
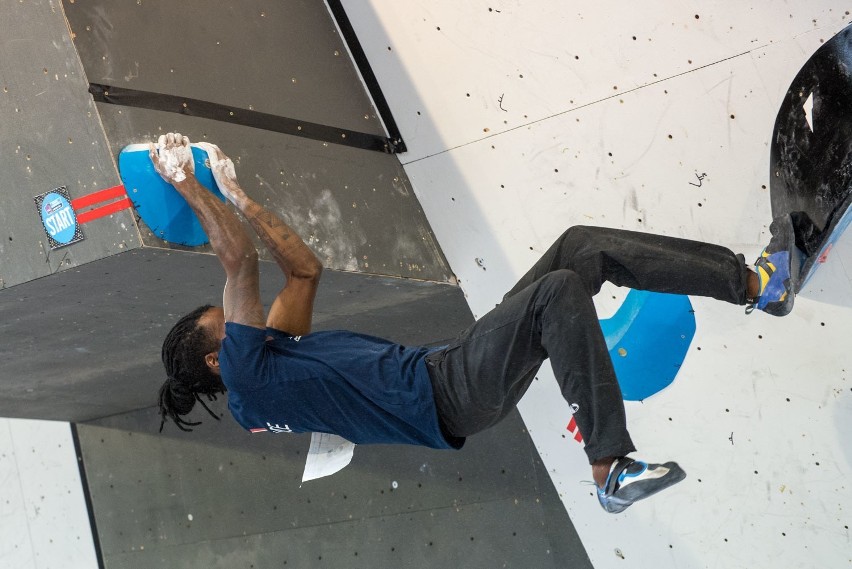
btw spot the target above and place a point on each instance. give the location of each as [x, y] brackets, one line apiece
[777, 271]
[630, 480]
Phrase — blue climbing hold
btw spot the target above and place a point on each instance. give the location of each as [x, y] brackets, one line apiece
[648, 338]
[163, 210]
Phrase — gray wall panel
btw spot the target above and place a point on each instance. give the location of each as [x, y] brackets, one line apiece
[51, 137]
[472, 537]
[86, 343]
[283, 58]
[483, 506]
[354, 207]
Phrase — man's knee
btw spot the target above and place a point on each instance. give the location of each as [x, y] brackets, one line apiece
[559, 280]
[581, 234]
[578, 241]
[562, 297]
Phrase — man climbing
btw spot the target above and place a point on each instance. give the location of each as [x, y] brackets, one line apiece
[282, 377]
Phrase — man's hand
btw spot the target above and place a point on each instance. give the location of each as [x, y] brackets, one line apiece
[173, 162]
[224, 174]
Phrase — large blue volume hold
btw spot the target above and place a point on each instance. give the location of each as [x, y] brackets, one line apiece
[647, 339]
[161, 207]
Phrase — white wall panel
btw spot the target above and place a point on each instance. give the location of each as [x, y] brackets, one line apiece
[15, 547]
[632, 162]
[445, 65]
[760, 413]
[44, 522]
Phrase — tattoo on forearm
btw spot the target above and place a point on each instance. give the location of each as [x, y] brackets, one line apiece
[285, 245]
[267, 223]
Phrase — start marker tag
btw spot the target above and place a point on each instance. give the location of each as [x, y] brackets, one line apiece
[58, 218]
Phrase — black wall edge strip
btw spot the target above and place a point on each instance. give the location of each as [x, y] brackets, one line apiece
[351, 39]
[222, 113]
[84, 481]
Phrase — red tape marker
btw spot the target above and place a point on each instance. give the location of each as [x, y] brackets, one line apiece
[99, 197]
[575, 430]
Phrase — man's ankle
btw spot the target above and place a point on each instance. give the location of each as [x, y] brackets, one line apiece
[600, 470]
[752, 286]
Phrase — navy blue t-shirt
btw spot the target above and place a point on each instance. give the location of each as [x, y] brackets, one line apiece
[365, 389]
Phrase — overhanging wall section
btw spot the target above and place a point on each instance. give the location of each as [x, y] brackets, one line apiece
[85, 344]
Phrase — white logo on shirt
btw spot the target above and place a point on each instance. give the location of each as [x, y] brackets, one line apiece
[279, 429]
[295, 338]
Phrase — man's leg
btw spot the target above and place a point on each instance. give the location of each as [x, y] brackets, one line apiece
[549, 313]
[645, 261]
[481, 377]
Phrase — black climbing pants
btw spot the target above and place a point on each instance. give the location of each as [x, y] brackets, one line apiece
[480, 377]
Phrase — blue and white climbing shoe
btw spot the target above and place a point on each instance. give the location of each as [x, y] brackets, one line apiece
[777, 271]
[630, 480]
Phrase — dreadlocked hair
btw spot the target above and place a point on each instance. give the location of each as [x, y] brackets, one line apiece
[188, 375]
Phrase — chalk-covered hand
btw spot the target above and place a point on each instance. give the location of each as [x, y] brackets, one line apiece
[172, 158]
[224, 173]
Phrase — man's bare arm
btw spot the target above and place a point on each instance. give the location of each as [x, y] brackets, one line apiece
[293, 307]
[288, 249]
[229, 240]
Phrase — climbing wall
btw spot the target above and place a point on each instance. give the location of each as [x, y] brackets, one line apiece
[274, 85]
[524, 118]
